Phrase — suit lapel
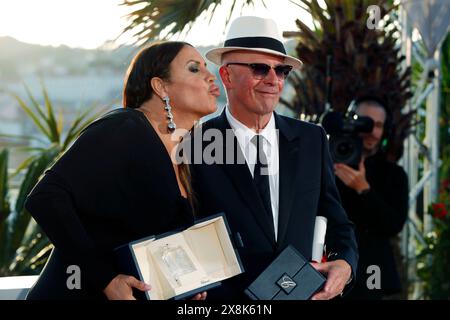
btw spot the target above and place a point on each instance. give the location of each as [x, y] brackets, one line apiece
[242, 179]
[289, 158]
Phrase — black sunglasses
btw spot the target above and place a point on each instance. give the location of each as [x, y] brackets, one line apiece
[261, 70]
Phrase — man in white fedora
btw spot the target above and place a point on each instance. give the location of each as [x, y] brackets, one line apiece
[272, 198]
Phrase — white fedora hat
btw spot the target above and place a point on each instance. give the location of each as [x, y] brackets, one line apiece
[253, 34]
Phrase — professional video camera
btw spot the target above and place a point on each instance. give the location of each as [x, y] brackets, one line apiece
[345, 143]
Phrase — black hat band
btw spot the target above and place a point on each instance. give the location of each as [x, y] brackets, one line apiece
[256, 42]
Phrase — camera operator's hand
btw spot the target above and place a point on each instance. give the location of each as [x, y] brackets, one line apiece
[355, 179]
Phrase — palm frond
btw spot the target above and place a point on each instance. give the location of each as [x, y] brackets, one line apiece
[160, 19]
[32, 253]
[20, 218]
[34, 102]
[4, 203]
[23, 166]
[22, 137]
[50, 118]
[33, 116]
[364, 62]
[24, 248]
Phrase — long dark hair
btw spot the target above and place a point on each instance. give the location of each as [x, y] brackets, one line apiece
[154, 61]
[151, 61]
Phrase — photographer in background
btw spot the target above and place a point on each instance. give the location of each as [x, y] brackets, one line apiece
[375, 197]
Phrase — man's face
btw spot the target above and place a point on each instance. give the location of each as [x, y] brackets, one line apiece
[372, 140]
[247, 94]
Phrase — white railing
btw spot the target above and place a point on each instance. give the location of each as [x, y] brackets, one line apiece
[16, 288]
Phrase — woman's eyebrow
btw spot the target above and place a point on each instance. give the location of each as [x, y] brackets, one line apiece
[196, 62]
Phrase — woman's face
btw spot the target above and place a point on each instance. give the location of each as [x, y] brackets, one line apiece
[191, 88]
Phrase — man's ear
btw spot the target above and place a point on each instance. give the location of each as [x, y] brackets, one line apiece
[159, 87]
[226, 77]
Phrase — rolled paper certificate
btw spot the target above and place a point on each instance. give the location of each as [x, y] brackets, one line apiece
[320, 230]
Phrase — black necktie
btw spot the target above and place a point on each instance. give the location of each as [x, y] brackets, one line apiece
[261, 175]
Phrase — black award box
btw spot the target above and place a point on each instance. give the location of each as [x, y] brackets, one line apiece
[288, 277]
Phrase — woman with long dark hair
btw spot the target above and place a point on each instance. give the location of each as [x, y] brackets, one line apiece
[118, 183]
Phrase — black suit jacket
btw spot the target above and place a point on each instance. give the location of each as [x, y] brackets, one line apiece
[307, 189]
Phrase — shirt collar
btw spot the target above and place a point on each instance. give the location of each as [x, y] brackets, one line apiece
[244, 134]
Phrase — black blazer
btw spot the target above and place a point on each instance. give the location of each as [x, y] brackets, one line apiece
[307, 189]
[114, 185]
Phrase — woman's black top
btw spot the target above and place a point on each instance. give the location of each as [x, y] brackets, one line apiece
[115, 184]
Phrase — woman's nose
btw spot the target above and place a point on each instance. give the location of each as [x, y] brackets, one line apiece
[211, 76]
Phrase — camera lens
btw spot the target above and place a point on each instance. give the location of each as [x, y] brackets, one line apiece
[346, 149]
[343, 149]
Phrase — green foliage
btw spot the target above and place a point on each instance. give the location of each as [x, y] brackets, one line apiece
[24, 248]
[4, 201]
[434, 256]
[445, 104]
[364, 61]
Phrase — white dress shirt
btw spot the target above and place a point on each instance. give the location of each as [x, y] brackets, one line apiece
[244, 136]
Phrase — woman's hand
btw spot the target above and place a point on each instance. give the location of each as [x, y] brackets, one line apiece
[199, 296]
[121, 287]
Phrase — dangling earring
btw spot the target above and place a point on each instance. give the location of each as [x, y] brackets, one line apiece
[171, 126]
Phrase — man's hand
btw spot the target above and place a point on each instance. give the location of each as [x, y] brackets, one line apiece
[355, 179]
[337, 273]
[121, 287]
